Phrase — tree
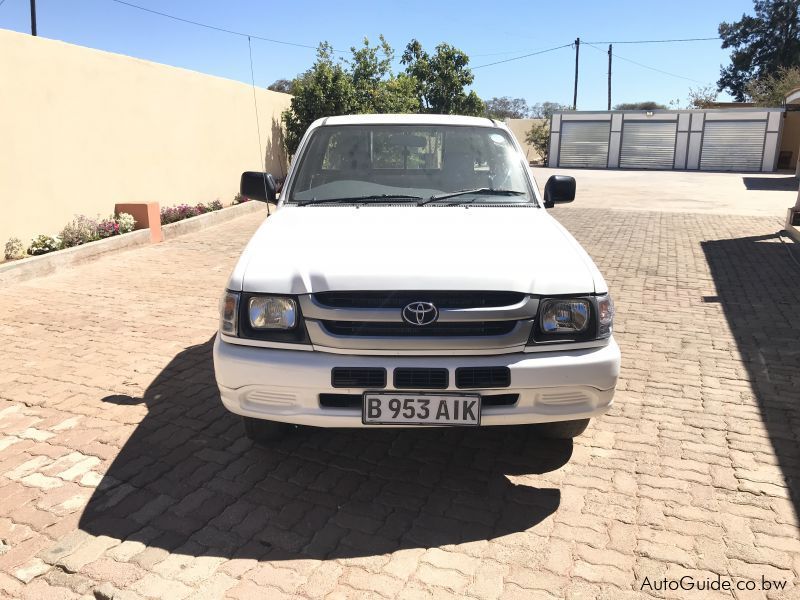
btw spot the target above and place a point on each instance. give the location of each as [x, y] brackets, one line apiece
[702, 96]
[771, 90]
[539, 138]
[325, 89]
[762, 45]
[539, 134]
[545, 110]
[441, 79]
[506, 108]
[377, 90]
[364, 83]
[281, 85]
[646, 105]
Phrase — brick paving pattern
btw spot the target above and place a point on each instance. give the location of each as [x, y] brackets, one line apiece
[122, 477]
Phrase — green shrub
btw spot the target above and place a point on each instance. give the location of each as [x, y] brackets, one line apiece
[43, 244]
[14, 249]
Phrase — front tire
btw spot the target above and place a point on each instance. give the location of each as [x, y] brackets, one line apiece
[562, 430]
[263, 432]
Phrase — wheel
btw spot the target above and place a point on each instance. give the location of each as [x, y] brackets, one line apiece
[262, 431]
[562, 430]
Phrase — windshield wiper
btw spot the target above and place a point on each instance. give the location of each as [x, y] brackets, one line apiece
[482, 191]
[372, 198]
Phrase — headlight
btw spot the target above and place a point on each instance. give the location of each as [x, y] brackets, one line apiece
[228, 313]
[605, 316]
[564, 316]
[272, 312]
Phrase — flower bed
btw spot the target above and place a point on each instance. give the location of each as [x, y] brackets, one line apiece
[81, 230]
[173, 214]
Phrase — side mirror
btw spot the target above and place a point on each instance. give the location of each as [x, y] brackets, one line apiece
[559, 188]
[258, 186]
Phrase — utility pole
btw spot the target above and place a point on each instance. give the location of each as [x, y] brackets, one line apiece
[609, 76]
[575, 93]
[33, 17]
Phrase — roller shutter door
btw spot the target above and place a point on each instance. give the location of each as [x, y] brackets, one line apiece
[584, 144]
[732, 145]
[648, 145]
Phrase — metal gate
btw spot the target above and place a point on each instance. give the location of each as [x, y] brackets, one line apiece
[648, 145]
[733, 145]
[584, 144]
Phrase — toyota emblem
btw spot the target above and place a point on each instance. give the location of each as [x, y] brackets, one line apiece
[420, 313]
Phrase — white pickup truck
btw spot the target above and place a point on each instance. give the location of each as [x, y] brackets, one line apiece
[412, 276]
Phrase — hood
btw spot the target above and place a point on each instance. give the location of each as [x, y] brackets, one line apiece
[300, 250]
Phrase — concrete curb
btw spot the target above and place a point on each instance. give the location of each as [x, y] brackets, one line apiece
[213, 218]
[791, 229]
[17, 271]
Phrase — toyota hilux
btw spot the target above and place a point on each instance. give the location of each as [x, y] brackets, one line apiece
[412, 276]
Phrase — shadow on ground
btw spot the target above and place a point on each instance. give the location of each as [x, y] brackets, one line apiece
[770, 184]
[758, 286]
[188, 481]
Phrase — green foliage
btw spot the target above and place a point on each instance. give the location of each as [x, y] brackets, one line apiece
[646, 105]
[771, 90]
[365, 83]
[441, 79]
[702, 96]
[762, 45]
[281, 85]
[325, 89]
[545, 110]
[539, 138]
[506, 108]
[14, 249]
[43, 244]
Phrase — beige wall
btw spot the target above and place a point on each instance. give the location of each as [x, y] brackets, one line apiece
[81, 130]
[790, 136]
[520, 129]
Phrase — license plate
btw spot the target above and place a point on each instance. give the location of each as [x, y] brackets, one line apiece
[387, 408]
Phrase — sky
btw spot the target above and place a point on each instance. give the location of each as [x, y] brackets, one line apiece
[487, 32]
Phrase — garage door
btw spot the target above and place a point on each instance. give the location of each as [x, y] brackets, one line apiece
[584, 144]
[732, 145]
[648, 145]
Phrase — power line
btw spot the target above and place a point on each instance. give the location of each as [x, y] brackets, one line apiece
[521, 57]
[705, 39]
[644, 65]
[214, 27]
[611, 42]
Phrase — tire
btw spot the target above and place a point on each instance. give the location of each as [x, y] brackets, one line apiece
[562, 430]
[263, 432]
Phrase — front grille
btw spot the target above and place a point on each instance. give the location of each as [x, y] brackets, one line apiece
[499, 400]
[483, 377]
[340, 400]
[358, 377]
[377, 329]
[421, 379]
[441, 299]
[353, 401]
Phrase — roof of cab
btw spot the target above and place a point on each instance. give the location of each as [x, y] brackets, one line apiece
[408, 119]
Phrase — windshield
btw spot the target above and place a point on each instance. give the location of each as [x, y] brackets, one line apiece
[397, 163]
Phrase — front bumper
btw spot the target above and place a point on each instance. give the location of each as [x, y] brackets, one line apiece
[284, 385]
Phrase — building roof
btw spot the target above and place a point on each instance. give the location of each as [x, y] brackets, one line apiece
[793, 97]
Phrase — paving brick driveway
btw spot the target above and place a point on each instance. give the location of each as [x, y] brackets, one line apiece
[121, 476]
